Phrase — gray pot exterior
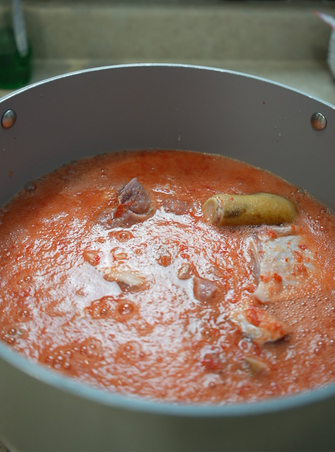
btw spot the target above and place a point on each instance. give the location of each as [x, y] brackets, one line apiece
[35, 417]
[165, 107]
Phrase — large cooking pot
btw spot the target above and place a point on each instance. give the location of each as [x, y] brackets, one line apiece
[166, 107]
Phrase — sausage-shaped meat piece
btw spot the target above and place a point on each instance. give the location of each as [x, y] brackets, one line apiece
[260, 208]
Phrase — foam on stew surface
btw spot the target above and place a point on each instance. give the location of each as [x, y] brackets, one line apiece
[111, 274]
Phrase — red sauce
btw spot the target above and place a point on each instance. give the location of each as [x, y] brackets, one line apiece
[170, 335]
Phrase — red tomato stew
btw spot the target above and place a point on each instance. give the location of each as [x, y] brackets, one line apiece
[112, 274]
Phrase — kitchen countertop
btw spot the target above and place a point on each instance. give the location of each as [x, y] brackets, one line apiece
[281, 41]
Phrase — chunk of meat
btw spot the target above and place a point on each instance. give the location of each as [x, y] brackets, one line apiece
[134, 197]
[256, 366]
[134, 207]
[125, 276]
[92, 257]
[186, 271]
[257, 324]
[283, 260]
[205, 290]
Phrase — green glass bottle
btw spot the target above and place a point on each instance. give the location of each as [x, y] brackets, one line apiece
[15, 51]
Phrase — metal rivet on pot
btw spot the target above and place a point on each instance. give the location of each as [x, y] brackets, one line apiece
[318, 121]
[8, 119]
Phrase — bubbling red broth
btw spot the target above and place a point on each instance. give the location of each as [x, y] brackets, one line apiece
[112, 274]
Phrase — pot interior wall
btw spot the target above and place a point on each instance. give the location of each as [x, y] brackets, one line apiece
[167, 107]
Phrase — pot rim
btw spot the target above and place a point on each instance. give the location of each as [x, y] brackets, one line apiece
[137, 403]
[162, 65]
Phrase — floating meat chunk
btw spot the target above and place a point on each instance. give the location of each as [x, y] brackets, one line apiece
[186, 271]
[256, 366]
[205, 290]
[134, 207]
[92, 257]
[257, 324]
[283, 260]
[260, 208]
[135, 197]
[130, 278]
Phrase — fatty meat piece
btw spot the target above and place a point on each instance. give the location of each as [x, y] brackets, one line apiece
[282, 261]
[131, 278]
[257, 324]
